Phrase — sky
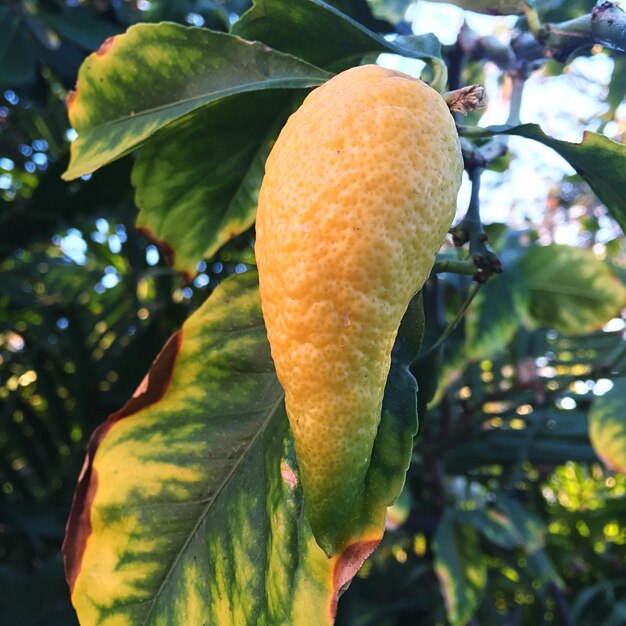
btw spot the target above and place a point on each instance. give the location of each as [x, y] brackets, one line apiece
[564, 106]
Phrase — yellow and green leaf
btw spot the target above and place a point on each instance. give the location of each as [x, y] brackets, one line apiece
[154, 74]
[607, 426]
[189, 508]
[197, 181]
[319, 33]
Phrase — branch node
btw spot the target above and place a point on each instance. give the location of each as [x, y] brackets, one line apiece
[470, 229]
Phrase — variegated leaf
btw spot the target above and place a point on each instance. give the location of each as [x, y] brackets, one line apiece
[189, 508]
[154, 74]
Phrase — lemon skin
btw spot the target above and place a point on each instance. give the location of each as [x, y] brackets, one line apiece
[359, 192]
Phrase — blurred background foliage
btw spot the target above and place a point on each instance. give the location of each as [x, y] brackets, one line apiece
[505, 493]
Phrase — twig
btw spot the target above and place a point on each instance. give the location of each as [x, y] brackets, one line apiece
[456, 59]
[517, 92]
[451, 326]
[470, 229]
[606, 25]
[453, 266]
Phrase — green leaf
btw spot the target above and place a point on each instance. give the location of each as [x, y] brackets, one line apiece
[511, 525]
[607, 426]
[507, 524]
[593, 604]
[495, 314]
[571, 290]
[17, 59]
[391, 10]
[495, 526]
[154, 74]
[542, 567]
[427, 374]
[320, 34]
[503, 447]
[189, 508]
[436, 369]
[529, 528]
[562, 10]
[197, 181]
[598, 159]
[460, 567]
[364, 14]
[497, 233]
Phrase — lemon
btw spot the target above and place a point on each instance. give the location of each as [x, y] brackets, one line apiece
[358, 194]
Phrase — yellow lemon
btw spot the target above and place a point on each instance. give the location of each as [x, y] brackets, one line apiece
[358, 194]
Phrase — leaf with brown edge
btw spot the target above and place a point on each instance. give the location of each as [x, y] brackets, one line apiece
[189, 509]
[150, 390]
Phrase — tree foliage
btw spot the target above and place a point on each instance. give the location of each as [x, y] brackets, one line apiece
[189, 509]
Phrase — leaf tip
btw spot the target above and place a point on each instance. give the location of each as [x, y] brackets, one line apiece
[346, 566]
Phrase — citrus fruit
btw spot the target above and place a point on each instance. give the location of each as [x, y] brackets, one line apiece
[359, 192]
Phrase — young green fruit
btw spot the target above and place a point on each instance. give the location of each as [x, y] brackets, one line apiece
[358, 195]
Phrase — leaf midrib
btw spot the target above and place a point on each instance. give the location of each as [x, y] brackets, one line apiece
[205, 511]
[564, 290]
[213, 96]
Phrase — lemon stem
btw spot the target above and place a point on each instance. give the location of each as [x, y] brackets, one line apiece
[440, 74]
